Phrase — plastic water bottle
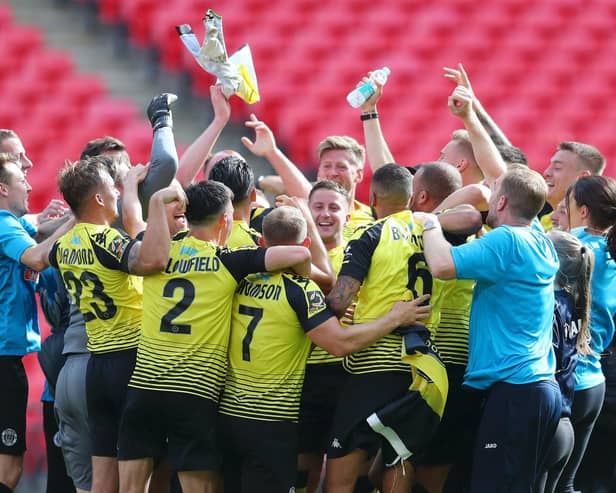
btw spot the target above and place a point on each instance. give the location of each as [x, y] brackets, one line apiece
[361, 94]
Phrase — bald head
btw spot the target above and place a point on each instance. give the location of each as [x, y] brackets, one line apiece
[433, 183]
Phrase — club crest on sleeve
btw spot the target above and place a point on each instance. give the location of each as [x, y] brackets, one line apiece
[316, 301]
[117, 246]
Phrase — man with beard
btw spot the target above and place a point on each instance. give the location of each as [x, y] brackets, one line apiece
[511, 363]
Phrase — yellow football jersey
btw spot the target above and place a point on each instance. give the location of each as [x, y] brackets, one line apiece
[546, 222]
[256, 217]
[318, 354]
[359, 215]
[242, 235]
[268, 347]
[93, 261]
[388, 259]
[451, 333]
[187, 317]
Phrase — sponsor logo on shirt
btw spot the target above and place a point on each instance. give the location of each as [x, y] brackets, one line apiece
[31, 275]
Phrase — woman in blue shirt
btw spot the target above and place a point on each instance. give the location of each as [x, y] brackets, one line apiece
[570, 338]
[591, 205]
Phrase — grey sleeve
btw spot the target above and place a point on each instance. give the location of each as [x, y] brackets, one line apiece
[162, 169]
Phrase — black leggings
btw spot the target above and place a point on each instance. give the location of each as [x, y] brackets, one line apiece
[584, 412]
[557, 456]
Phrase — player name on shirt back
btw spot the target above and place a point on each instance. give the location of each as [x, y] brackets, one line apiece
[76, 256]
[195, 264]
[259, 291]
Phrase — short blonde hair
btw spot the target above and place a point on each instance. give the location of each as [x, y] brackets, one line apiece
[344, 143]
[285, 225]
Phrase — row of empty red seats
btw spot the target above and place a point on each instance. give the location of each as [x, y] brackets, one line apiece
[55, 109]
[544, 69]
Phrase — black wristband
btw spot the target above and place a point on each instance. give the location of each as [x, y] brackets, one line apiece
[368, 116]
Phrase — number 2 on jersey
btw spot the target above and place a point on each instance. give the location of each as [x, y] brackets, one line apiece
[256, 314]
[167, 323]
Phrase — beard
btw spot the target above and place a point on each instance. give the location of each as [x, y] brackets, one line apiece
[491, 219]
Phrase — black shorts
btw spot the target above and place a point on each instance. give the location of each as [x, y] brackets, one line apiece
[456, 432]
[107, 379]
[14, 385]
[517, 426]
[258, 456]
[180, 426]
[322, 386]
[363, 394]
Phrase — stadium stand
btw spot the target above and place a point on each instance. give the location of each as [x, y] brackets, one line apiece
[539, 79]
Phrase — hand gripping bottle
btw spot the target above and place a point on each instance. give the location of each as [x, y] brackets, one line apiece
[361, 94]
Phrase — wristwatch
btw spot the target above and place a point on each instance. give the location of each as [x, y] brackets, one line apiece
[431, 224]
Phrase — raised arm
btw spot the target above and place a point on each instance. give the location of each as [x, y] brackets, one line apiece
[461, 220]
[437, 249]
[460, 77]
[264, 145]
[488, 158]
[321, 270]
[377, 149]
[193, 159]
[476, 195]
[132, 213]
[151, 255]
[162, 168]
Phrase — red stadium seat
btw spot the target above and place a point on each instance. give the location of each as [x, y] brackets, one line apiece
[309, 56]
[50, 66]
[110, 10]
[82, 89]
[110, 114]
[137, 136]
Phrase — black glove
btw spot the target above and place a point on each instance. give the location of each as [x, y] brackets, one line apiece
[159, 112]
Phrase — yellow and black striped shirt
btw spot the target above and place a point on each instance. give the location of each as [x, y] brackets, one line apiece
[187, 317]
[318, 354]
[388, 259]
[268, 347]
[360, 215]
[451, 334]
[256, 218]
[93, 261]
[242, 235]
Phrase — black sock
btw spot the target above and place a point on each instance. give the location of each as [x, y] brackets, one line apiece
[301, 480]
[363, 485]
